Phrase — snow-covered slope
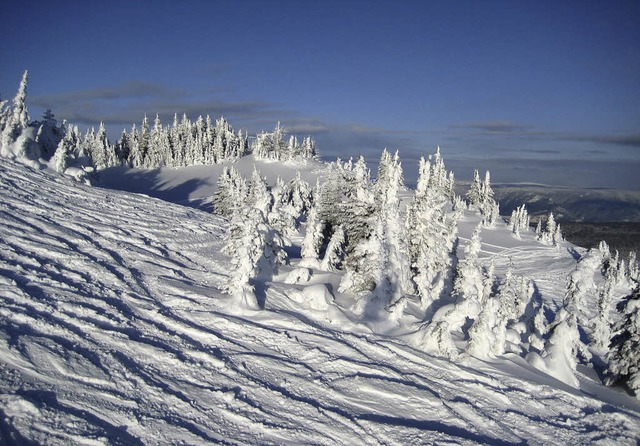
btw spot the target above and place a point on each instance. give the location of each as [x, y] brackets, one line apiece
[113, 331]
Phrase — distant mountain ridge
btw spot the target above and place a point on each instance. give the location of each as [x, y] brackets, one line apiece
[567, 204]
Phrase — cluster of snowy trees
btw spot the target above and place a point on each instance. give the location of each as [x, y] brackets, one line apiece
[395, 248]
[261, 218]
[550, 233]
[481, 195]
[184, 143]
[275, 146]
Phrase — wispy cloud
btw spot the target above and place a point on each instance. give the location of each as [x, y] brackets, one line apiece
[497, 127]
[632, 140]
[512, 129]
[121, 105]
[127, 91]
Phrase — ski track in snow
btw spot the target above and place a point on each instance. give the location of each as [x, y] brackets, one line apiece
[113, 331]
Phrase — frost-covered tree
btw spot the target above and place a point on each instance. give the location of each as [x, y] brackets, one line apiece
[439, 179]
[551, 234]
[481, 195]
[581, 286]
[564, 347]
[255, 249]
[519, 220]
[296, 197]
[429, 237]
[313, 238]
[17, 138]
[275, 146]
[437, 336]
[231, 193]
[67, 151]
[101, 152]
[335, 251]
[49, 134]
[282, 215]
[624, 348]
[468, 285]
[602, 322]
[308, 149]
[486, 335]
[379, 266]
[399, 268]
[474, 195]
[369, 263]
[259, 195]
[346, 199]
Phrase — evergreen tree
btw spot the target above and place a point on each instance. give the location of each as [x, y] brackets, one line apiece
[551, 234]
[49, 134]
[282, 216]
[602, 323]
[519, 220]
[335, 249]
[563, 348]
[468, 285]
[17, 139]
[475, 191]
[624, 348]
[231, 194]
[255, 249]
[429, 238]
[62, 156]
[312, 242]
[259, 196]
[308, 149]
[366, 275]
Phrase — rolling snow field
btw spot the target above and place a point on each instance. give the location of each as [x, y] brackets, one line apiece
[113, 330]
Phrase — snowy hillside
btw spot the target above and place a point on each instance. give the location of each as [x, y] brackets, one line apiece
[113, 330]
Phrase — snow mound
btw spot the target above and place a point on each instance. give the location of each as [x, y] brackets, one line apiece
[315, 297]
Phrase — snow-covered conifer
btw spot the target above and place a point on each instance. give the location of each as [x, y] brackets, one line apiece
[437, 336]
[624, 348]
[603, 321]
[297, 195]
[369, 262]
[581, 285]
[428, 240]
[17, 139]
[335, 250]
[468, 282]
[308, 149]
[282, 215]
[563, 347]
[474, 195]
[49, 134]
[259, 195]
[484, 334]
[231, 194]
[313, 238]
[519, 220]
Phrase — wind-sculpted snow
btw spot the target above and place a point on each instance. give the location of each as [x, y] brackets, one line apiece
[113, 331]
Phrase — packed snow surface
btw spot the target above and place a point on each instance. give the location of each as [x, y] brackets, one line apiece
[113, 331]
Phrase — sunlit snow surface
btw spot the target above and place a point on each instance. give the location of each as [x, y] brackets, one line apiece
[113, 331]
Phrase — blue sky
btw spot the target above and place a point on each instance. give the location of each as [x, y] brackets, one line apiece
[537, 91]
